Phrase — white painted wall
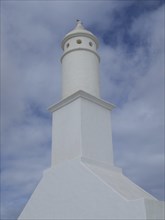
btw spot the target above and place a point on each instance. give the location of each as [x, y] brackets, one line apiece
[80, 67]
[66, 132]
[82, 182]
[71, 191]
[82, 127]
[96, 132]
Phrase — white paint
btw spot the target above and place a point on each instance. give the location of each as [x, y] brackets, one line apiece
[82, 127]
[96, 132]
[66, 132]
[120, 183]
[86, 96]
[71, 191]
[83, 182]
[80, 63]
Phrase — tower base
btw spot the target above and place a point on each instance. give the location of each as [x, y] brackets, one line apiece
[82, 189]
[83, 182]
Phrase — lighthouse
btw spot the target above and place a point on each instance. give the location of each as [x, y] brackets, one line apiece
[83, 181]
[80, 62]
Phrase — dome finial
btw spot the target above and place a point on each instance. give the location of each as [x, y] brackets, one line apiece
[79, 24]
[78, 21]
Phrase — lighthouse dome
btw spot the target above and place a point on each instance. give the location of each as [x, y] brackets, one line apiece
[79, 30]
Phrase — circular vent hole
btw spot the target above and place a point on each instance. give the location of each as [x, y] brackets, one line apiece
[91, 44]
[79, 41]
[67, 45]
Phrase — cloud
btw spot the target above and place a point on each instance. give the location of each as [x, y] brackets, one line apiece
[138, 123]
[131, 73]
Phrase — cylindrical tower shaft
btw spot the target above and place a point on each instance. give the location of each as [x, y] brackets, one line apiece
[80, 62]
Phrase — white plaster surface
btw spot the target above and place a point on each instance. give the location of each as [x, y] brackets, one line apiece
[82, 127]
[82, 183]
[66, 132]
[119, 182]
[79, 30]
[80, 71]
[80, 63]
[96, 132]
[72, 191]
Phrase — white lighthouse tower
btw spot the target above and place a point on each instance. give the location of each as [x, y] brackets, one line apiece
[80, 62]
[83, 182]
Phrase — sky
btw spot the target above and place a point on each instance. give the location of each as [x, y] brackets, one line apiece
[131, 36]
